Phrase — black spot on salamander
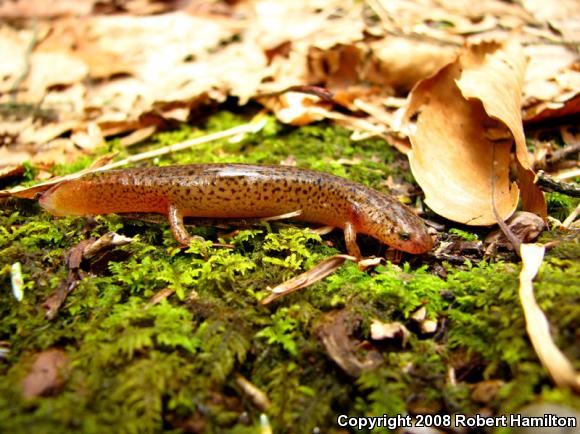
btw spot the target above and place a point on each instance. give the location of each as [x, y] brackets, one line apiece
[221, 189]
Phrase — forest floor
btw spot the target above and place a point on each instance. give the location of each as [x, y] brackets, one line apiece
[156, 338]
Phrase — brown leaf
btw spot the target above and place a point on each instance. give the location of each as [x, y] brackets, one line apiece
[47, 375]
[318, 272]
[84, 250]
[138, 136]
[525, 226]
[335, 332]
[44, 9]
[11, 170]
[400, 63]
[485, 391]
[52, 68]
[467, 117]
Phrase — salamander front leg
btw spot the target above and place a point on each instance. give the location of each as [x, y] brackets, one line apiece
[350, 239]
[178, 228]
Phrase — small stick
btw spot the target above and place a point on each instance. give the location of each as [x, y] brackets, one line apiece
[570, 219]
[547, 183]
[321, 92]
[502, 225]
[563, 152]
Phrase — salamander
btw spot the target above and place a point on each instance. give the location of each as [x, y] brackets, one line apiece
[243, 191]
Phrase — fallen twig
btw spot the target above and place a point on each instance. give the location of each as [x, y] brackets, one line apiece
[547, 183]
[571, 218]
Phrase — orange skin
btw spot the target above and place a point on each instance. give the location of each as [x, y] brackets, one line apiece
[243, 191]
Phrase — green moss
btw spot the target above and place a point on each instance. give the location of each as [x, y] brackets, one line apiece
[561, 206]
[463, 234]
[142, 367]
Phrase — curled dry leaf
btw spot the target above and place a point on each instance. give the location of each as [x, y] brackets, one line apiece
[552, 82]
[525, 226]
[11, 170]
[462, 122]
[335, 333]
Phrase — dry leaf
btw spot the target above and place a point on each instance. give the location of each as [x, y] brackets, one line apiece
[525, 226]
[42, 8]
[47, 375]
[335, 333]
[318, 272]
[555, 362]
[562, 15]
[138, 136]
[107, 241]
[400, 63]
[381, 330]
[11, 170]
[485, 391]
[552, 82]
[467, 117]
[256, 395]
[161, 295]
[144, 70]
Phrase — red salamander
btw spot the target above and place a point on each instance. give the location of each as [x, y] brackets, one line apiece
[243, 191]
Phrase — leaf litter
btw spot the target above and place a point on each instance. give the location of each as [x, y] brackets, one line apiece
[478, 74]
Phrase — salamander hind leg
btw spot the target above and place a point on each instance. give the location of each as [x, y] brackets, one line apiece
[350, 239]
[175, 217]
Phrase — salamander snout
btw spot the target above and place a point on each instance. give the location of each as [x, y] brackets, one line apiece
[416, 241]
[396, 225]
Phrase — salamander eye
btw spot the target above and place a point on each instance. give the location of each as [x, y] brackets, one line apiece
[403, 235]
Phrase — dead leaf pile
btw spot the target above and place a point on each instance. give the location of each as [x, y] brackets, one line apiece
[84, 71]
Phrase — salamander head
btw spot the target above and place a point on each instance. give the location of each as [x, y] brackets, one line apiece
[394, 224]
